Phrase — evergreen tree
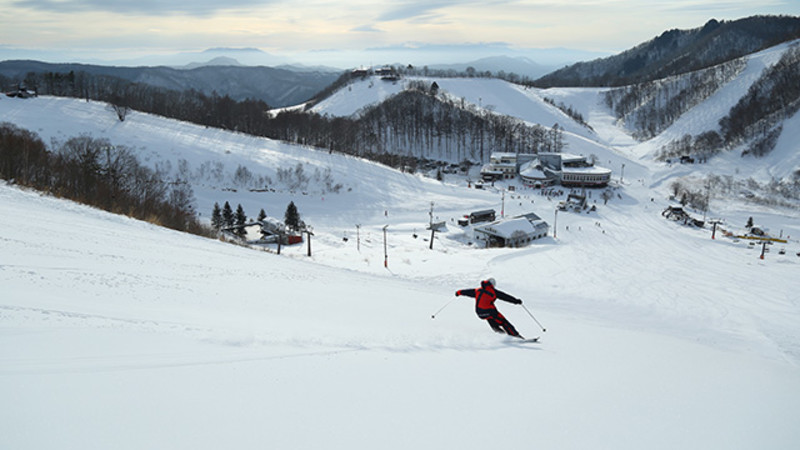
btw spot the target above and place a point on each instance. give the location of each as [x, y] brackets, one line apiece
[227, 215]
[240, 220]
[216, 217]
[262, 215]
[292, 217]
[749, 223]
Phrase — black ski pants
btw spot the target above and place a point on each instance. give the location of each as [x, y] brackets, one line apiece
[497, 321]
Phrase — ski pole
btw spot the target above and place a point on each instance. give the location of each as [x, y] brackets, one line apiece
[534, 318]
[433, 316]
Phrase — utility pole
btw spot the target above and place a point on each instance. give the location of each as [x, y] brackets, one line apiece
[385, 248]
[555, 224]
[433, 231]
[358, 237]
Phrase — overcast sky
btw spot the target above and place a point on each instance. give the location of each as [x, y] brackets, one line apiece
[348, 33]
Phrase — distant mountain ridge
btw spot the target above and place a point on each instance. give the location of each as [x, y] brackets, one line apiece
[676, 52]
[215, 62]
[276, 86]
[520, 65]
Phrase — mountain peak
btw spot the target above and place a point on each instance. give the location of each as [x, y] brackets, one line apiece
[214, 62]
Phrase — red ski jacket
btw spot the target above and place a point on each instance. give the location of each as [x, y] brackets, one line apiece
[486, 295]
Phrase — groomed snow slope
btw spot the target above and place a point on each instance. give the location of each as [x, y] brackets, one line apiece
[117, 334]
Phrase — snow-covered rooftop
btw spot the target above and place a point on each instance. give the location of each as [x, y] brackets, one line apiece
[505, 228]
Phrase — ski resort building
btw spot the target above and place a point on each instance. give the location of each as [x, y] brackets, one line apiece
[565, 169]
[504, 166]
[517, 231]
[546, 169]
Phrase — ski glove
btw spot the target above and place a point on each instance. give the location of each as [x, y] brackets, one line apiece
[518, 301]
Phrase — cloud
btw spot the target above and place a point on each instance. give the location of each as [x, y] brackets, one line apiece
[414, 10]
[141, 7]
[366, 29]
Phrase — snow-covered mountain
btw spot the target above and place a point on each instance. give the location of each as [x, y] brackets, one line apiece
[677, 52]
[117, 333]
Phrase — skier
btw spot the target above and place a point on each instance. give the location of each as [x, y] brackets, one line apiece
[485, 297]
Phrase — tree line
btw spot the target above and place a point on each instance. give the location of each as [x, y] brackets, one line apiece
[225, 219]
[423, 122]
[94, 172]
[419, 121]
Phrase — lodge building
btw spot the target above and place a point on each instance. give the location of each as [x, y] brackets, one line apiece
[564, 169]
[546, 169]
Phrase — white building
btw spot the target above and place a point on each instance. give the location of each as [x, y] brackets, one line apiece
[502, 166]
[517, 231]
[564, 168]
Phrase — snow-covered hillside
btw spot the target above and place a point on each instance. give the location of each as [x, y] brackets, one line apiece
[118, 334]
[491, 94]
[607, 138]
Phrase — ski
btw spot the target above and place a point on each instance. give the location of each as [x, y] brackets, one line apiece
[526, 340]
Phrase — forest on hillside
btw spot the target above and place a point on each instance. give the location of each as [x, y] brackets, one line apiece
[757, 116]
[676, 52]
[419, 123]
[95, 172]
[649, 108]
[755, 122]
